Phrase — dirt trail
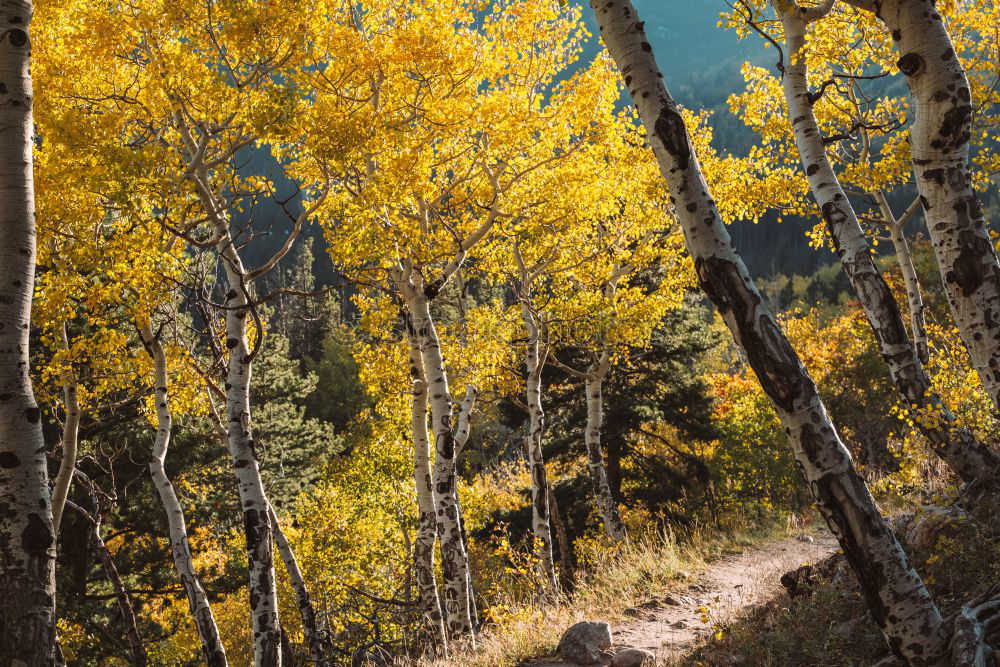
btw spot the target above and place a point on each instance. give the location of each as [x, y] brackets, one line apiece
[670, 624]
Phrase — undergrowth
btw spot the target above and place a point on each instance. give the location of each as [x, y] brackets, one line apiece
[609, 580]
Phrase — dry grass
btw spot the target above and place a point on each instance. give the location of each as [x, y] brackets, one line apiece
[609, 581]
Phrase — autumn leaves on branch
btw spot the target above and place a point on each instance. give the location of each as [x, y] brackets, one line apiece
[440, 144]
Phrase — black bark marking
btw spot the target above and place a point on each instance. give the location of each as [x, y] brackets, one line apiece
[969, 271]
[18, 37]
[830, 492]
[33, 415]
[433, 289]
[231, 343]
[955, 127]
[9, 460]
[910, 64]
[768, 351]
[936, 175]
[669, 129]
[37, 537]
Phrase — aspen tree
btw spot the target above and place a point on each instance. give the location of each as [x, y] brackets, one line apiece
[428, 166]
[200, 83]
[968, 458]
[536, 350]
[27, 539]
[897, 597]
[940, 137]
[212, 649]
[423, 547]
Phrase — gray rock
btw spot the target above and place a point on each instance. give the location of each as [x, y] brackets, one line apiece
[633, 657]
[631, 612]
[586, 642]
[679, 625]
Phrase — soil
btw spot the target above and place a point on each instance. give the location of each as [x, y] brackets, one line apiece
[671, 624]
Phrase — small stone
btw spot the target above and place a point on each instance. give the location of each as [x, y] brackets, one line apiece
[806, 538]
[631, 612]
[586, 642]
[679, 625]
[633, 657]
[683, 574]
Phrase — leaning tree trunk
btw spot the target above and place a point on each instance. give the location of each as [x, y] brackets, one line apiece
[971, 460]
[904, 259]
[454, 558]
[896, 596]
[533, 449]
[606, 505]
[423, 547]
[201, 610]
[27, 542]
[125, 607]
[316, 638]
[939, 147]
[70, 437]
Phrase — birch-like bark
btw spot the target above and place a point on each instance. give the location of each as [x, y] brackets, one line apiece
[27, 540]
[316, 639]
[939, 147]
[533, 365]
[904, 259]
[423, 546]
[212, 649]
[454, 558]
[136, 648]
[971, 460]
[606, 505]
[463, 428]
[253, 499]
[70, 437]
[896, 596]
[593, 390]
[463, 421]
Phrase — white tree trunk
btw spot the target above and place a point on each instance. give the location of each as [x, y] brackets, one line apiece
[606, 504]
[969, 459]
[896, 596]
[939, 146]
[540, 528]
[253, 499]
[463, 428]
[27, 542]
[70, 437]
[315, 638]
[263, 595]
[212, 649]
[454, 558]
[423, 547]
[914, 300]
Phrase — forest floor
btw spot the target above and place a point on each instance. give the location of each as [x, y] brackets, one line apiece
[671, 624]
